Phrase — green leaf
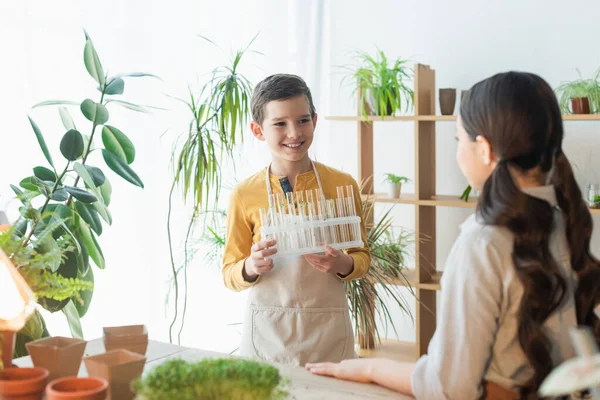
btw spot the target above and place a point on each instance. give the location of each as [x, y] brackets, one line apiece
[27, 184]
[53, 213]
[41, 141]
[60, 195]
[24, 197]
[134, 107]
[115, 86]
[92, 63]
[81, 195]
[96, 174]
[139, 75]
[44, 174]
[117, 143]
[72, 315]
[106, 191]
[21, 227]
[89, 214]
[103, 212]
[85, 175]
[66, 119]
[55, 103]
[121, 168]
[94, 112]
[91, 244]
[86, 295]
[71, 145]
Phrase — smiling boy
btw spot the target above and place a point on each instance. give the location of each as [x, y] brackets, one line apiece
[297, 308]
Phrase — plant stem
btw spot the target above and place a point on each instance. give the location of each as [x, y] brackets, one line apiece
[172, 259]
[185, 277]
[46, 202]
[87, 151]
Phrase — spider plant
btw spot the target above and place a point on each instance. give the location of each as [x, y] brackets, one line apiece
[580, 88]
[217, 113]
[381, 85]
[367, 296]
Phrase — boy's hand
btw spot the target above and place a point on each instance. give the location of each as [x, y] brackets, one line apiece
[257, 264]
[334, 261]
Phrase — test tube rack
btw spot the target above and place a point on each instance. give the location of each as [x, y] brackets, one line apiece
[303, 222]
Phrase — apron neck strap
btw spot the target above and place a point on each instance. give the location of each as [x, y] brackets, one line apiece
[314, 167]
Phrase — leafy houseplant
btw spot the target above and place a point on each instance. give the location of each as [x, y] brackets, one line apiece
[465, 195]
[367, 296]
[581, 96]
[381, 86]
[395, 185]
[63, 206]
[217, 114]
[209, 379]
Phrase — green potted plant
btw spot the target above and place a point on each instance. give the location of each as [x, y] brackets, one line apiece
[395, 185]
[593, 195]
[37, 260]
[368, 298]
[218, 112]
[72, 197]
[581, 96]
[382, 87]
[221, 378]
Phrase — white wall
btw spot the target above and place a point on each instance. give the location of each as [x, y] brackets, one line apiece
[464, 41]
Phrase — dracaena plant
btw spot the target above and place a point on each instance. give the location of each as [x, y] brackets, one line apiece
[217, 113]
[72, 196]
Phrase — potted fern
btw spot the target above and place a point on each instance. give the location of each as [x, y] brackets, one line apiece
[221, 378]
[382, 86]
[581, 96]
[395, 185]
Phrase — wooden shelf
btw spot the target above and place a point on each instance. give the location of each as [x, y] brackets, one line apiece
[443, 200]
[373, 118]
[388, 348]
[582, 117]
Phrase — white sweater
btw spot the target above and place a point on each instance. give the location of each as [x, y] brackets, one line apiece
[476, 337]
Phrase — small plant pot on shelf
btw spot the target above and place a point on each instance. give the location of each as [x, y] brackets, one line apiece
[23, 383]
[593, 195]
[580, 105]
[394, 190]
[131, 337]
[447, 101]
[119, 368]
[73, 388]
[7, 340]
[60, 355]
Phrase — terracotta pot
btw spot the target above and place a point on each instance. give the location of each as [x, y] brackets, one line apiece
[23, 383]
[119, 368]
[72, 388]
[447, 101]
[580, 105]
[59, 355]
[8, 347]
[132, 337]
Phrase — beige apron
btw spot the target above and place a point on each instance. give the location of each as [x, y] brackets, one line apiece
[297, 314]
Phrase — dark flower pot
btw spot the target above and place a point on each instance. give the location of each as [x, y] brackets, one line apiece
[447, 101]
[580, 105]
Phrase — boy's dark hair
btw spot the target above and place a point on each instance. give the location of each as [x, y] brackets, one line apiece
[278, 87]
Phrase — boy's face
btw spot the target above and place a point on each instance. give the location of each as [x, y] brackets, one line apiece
[287, 128]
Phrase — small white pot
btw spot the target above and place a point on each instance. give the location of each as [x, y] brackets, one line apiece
[394, 190]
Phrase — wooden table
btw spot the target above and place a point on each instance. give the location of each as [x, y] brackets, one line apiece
[304, 385]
